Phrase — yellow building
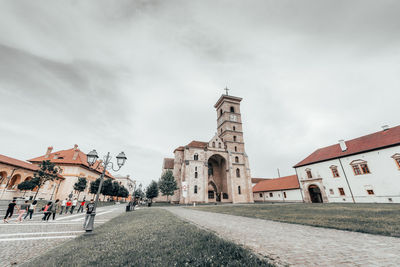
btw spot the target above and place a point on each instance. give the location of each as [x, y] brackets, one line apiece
[72, 163]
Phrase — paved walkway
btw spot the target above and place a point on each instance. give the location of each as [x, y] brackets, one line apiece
[298, 245]
[20, 242]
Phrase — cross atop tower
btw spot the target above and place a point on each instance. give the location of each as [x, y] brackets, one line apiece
[226, 89]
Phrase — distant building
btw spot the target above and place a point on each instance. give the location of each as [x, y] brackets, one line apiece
[217, 170]
[284, 189]
[127, 182]
[364, 169]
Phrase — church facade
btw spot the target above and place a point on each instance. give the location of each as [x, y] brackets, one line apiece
[217, 170]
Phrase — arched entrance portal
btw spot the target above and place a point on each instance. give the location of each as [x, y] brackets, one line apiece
[315, 194]
[217, 182]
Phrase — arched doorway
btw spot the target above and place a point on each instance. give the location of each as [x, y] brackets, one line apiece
[315, 194]
[15, 180]
[217, 181]
[213, 194]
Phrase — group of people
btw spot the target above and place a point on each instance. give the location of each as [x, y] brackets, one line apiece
[50, 209]
[70, 206]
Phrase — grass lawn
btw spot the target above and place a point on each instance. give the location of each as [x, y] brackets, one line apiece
[381, 219]
[148, 237]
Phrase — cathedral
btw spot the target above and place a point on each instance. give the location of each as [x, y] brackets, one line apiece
[214, 171]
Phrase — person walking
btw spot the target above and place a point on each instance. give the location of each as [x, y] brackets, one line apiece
[69, 203]
[53, 210]
[74, 203]
[89, 210]
[46, 211]
[10, 210]
[63, 204]
[81, 206]
[22, 210]
[31, 210]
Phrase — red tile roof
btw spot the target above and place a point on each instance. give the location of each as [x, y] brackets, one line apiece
[168, 163]
[198, 144]
[18, 163]
[365, 143]
[181, 148]
[283, 183]
[73, 156]
[256, 180]
[21, 164]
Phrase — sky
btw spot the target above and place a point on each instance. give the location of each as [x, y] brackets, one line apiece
[142, 76]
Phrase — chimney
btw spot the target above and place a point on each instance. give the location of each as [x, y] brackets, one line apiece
[76, 152]
[385, 127]
[48, 152]
[343, 146]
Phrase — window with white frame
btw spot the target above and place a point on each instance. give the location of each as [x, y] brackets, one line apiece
[335, 171]
[360, 167]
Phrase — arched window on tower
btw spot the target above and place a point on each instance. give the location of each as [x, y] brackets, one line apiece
[213, 144]
[237, 159]
[233, 109]
[196, 157]
[239, 191]
[220, 112]
[234, 128]
[219, 145]
[195, 174]
[238, 173]
[234, 138]
[235, 148]
[195, 189]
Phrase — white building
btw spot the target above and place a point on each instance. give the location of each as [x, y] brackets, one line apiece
[365, 169]
[284, 189]
[127, 182]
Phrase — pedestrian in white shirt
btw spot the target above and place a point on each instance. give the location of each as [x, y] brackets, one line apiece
[63, 204]
[74, 203]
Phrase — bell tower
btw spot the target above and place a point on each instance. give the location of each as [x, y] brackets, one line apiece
[230, 131]
[229, 122]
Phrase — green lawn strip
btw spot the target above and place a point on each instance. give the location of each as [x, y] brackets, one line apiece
[380, 219]
[149, 237]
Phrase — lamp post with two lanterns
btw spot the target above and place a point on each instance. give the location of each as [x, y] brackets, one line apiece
[92, 157]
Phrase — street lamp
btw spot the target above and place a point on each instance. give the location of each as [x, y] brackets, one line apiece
[105, 164]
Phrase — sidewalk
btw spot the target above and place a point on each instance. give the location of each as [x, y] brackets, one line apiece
[298, 245]
[20, 242]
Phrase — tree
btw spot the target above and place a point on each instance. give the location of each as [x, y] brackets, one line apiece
[167, 184]
[152, 191]
[48, 171]
[107, 188]
[28, 185]
[123, 192]
[115, 189]
[139, 193]
[80, 185]
[94, 186]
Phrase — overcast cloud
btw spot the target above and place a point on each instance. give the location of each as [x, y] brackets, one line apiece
[143, 76]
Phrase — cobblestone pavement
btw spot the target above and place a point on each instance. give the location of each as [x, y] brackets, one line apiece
[20, 242]
[298, 245]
